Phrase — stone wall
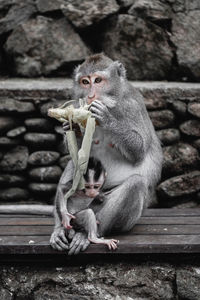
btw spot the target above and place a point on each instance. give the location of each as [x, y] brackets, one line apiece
[32, 153]
[154, 39]
[120, 281]
[176, 118]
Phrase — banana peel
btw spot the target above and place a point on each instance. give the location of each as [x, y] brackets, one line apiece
[83, 117]
[70, 113]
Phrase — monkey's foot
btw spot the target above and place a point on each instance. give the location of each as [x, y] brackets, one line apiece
[112, 244]
[66, 218]
[58, 239]
[79, 243]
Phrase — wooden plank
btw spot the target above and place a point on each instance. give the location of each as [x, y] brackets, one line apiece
[159, 212]
[2, 216]
[137, 244]
[26, 221]
[169, 212]
[137, 230]
[164, 229]
[170, 220]
[26, 230]
[132, 239]
[143, 220]
[158, 231]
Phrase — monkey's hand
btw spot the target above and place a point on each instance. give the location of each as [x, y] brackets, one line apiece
[75, 127]
[58, 239]
[102, 115]
[66, 218]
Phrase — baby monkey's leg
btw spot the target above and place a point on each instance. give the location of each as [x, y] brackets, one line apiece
[86, 219]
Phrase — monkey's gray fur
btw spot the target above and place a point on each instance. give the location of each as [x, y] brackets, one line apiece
[133, 164]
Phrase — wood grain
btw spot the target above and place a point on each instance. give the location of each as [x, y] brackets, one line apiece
[158, 231]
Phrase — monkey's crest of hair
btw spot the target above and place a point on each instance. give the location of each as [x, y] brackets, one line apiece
[95, 165]
[93, 63]
[98, 59]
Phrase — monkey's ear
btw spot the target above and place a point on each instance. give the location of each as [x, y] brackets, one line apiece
[77, 73]
[121, 71]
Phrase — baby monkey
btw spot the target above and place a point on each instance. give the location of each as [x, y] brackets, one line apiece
[85, 219]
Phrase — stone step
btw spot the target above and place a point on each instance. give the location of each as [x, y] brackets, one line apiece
[28, 137]
[58, 87]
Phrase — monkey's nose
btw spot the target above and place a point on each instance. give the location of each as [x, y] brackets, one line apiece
[91, 99]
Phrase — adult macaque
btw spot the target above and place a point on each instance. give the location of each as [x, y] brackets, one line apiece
[126, 144]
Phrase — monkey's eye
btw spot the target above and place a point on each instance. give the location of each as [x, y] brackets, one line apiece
[85, 81]
[96, 186]
[87, 186]
[98, 79]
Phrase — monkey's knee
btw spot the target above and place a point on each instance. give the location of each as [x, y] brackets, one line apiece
[124, 207]
[84, 217]
[136, 181]
[85, 213]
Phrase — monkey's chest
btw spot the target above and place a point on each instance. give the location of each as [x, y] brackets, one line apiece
[78, 202]
[102, 144]
[116, 165]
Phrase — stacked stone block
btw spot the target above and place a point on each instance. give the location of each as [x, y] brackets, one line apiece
[176, 118]
[155, 40]
[33, 155]
[30, 152]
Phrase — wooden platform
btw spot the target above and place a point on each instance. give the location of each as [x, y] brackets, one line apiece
[158, 231]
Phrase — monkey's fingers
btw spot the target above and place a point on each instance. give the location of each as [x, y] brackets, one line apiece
[95, 111]
[98, 104]
[71, 234]
[78, 243]
[98, 119]
[66, 128]
[116, 241]
[66, 222]
[71, 216]
[113, 245]
[67, 225]
[65, 123]
[59, 233]
[59, 245]
[86, 244]
[58, 240]
[82, 245]
[75, 240]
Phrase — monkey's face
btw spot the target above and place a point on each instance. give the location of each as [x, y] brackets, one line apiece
[93, 85]
[98, 77]
[92, 190]
[94, 178]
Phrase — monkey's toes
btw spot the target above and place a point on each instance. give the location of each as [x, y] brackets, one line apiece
[58, 240]
[112, 245]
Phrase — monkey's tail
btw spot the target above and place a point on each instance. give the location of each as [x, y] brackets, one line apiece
[31, 209]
